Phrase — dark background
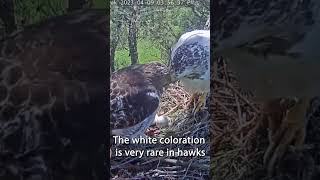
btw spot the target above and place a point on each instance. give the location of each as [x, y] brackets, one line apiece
[75, 145]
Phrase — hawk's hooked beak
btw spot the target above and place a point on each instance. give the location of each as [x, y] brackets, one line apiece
[166, 80]
[173, 78]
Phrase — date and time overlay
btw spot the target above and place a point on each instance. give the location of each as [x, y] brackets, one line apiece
[156, 2]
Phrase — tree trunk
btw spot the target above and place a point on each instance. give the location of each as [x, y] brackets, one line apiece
[114, 44]
[7, 15]
[132, 39]
[76, 5]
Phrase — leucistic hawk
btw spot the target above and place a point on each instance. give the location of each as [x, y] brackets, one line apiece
[135, 97]
[52, 98]
[190, 63]
[273, 48]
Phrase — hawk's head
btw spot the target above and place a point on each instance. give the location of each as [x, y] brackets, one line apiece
[190, 56]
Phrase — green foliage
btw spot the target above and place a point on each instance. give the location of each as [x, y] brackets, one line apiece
[100, 3]
[159, 28]
[34, 11]
[147, 52]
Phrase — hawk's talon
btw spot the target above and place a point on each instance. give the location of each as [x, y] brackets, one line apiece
[290, 130]
[199, 105]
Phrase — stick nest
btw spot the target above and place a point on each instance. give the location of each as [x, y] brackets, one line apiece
[183, 124]
[234, 126]
[239, 140]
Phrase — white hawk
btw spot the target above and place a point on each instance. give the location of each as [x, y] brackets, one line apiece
[273, 47]
[190, 63]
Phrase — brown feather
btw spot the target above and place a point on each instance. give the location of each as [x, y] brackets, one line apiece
[130, 100]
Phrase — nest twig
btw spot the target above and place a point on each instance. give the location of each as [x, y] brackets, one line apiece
[183, 124]
[239, 140]
[235, 120]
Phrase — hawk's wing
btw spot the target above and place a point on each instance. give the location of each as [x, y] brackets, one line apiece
[270, 45]
[133, 97]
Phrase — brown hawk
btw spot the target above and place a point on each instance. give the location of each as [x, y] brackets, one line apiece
[135, 97]
[272, 46]
[52, 95]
